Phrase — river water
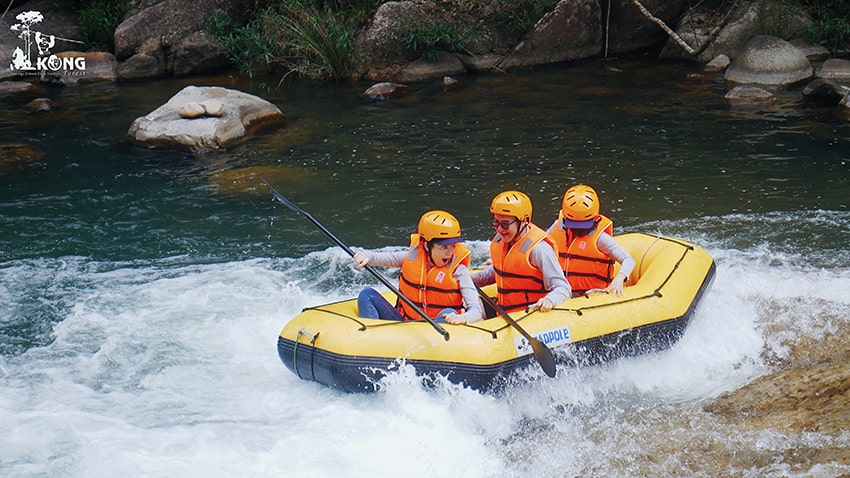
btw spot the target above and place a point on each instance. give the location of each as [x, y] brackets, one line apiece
[142, 292]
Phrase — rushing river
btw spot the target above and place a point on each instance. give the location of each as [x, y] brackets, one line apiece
[142, 292]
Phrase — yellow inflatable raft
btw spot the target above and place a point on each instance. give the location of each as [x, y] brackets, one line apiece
[333, 346]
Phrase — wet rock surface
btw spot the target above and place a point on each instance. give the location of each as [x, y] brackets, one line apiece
[809, 391]
[240, 114]
[769, 60]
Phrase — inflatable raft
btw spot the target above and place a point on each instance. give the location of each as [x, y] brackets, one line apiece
[331, 345]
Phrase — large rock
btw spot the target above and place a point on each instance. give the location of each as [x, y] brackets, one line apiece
[837, 69]
[825, 92]
[573, 30]
[422, 69]
[630, 30]
[808, 397]
[381, 40]
[15, 88]
[242, 114]
[743, 95]
[169, 37]
[768, 60]
[701, 30]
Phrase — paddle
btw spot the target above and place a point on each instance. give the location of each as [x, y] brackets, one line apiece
[541, 352]
[344, 246]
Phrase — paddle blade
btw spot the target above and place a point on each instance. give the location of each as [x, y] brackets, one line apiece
[544, 356]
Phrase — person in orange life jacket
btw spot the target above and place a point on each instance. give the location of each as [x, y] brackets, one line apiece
[524, 264]
[434, 275]
[586, 248]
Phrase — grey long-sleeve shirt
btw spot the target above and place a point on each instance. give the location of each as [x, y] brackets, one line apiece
[544, 258]
[474, 310]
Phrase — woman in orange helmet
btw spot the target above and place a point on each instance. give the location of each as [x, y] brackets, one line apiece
[434, 275]
[524, 264]
[586, 248]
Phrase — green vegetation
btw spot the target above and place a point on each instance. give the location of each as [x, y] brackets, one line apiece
[522, 15]
[832, 23]
[314, 39]
[317, 38]
[775, 18]
[99, 19]
[427, 36]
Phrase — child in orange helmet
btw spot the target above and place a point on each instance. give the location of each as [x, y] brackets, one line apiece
[586, 248]
[434, 275]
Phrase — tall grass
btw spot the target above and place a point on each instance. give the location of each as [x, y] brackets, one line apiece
[303, 37]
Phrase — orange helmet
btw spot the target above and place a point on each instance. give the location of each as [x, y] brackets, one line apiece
[580, 207]
[512, 203]
[440, 226]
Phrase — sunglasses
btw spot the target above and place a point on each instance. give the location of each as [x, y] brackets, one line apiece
[503, 224]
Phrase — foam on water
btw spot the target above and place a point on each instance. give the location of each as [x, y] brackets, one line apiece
[169, 368]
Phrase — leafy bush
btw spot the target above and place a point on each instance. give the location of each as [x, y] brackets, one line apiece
[832, 23]
[99, 19]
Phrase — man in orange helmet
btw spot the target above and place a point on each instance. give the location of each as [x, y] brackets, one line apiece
[524, 264]
[586, 248]
[434, 275]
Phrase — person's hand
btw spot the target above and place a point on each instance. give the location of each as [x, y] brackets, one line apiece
[361, 259]
[616, 285]
[453, 318]
[543, 305]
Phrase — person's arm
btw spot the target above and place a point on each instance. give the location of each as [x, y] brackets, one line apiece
[484, 277]
[380, 259]
[609, 247]
[544, 258]
[474, 312]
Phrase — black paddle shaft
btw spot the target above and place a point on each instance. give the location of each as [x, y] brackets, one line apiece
[344, 246]
[541, 352]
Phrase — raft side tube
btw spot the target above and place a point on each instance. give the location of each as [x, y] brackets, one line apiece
[363, 374]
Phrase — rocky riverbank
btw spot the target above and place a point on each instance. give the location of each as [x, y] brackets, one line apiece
[171, 38]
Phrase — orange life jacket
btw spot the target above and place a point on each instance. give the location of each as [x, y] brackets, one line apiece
[431, 288]
[584, 265]
[519, 284]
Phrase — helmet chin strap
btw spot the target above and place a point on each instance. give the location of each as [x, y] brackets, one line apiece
[427, 247]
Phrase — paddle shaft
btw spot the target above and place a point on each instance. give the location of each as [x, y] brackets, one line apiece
[541, 352]
[344, 246]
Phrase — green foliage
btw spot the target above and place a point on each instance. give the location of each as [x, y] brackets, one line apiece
[99, 19]
[428, 36]
[311, 38]
[522, 15]
[831, 23]
[775, 18]
[316, 38]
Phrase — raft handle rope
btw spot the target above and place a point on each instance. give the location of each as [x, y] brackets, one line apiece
[656, 293]
[313, 338]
